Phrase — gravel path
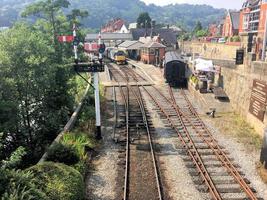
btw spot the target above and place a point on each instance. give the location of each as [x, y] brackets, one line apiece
[243, 154]
[101, 180]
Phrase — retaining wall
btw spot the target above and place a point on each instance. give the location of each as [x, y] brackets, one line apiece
[237, 80]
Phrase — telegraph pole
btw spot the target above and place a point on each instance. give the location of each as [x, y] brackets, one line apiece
[97, 99]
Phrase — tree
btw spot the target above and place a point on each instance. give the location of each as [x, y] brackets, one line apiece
[144, 20]
[75, 14]
[198, 27]
[48, 11]
[202, 33]
[34, 99]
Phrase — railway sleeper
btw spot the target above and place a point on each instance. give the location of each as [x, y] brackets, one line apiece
[235, 196]
[226, 188]
[204, 159]
[205, 152]
[210, 164]
[220, 180]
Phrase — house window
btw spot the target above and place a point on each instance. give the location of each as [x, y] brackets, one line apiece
[152, 51]
[245, 22]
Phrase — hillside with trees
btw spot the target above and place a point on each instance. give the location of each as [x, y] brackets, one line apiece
[101, 11]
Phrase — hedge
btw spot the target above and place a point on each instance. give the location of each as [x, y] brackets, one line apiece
[58, 181]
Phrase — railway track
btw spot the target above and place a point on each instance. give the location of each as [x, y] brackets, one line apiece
[141, 175]
[212, 170]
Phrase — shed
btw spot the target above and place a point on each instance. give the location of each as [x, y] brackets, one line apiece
[132, 48]
[153, 53]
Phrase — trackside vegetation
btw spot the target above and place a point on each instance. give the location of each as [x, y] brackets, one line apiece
[38, 93]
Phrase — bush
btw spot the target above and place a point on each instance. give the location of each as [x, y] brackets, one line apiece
[58, 181]
[235, 38]
[79, 141]
[18, 184]
[62, 153]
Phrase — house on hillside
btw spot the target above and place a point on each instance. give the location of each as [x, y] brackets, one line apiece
[252, 24]
[115, 26]
[231, 24]
[132, 26]
[213, 30]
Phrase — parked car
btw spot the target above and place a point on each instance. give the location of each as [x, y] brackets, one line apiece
[221, 40]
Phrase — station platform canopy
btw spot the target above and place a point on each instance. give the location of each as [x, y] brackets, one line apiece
[130, 45]
[109, 37]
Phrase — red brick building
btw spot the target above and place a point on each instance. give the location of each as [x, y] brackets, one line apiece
[231, 24]
[115, 26]
[213, 30]
[252, 23]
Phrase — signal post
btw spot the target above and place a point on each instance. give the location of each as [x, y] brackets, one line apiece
[94, 67]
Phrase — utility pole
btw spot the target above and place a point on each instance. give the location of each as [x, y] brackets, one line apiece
[263, 55]
[97, 98]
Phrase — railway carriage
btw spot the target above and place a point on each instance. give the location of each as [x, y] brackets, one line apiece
[175, 70]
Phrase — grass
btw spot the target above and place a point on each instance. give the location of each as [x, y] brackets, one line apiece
[262, 172]
[233, 124]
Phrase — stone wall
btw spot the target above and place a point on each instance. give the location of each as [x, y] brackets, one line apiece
[211, 50]
[237, 80]
[237, 83]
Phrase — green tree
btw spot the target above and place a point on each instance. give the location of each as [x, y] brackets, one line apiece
[75, 14]
[49, 11]
[144, 20]
[198, 27]
[34, 99]
[201, 33]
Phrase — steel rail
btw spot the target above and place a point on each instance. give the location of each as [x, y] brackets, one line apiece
[126, 104]
[138, 96]
[213, 144]
[220, 154]
[196, 158]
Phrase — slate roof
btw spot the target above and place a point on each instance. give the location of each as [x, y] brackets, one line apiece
[169, 36]
[131, 45]
[109, 36]
[153, 44]
[235, 19]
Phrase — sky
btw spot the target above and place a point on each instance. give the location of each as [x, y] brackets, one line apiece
[228, 4]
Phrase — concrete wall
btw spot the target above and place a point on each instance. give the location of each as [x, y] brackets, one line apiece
[237, 82]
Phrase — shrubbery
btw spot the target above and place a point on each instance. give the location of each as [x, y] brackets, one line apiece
[18, 185]
[58, 181]
[63, 153]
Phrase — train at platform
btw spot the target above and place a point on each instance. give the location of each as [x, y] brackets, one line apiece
[175, 70]
[116, 55]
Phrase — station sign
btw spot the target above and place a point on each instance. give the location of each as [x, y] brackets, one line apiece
[239, 57]
[258, 100]
[89, 67]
